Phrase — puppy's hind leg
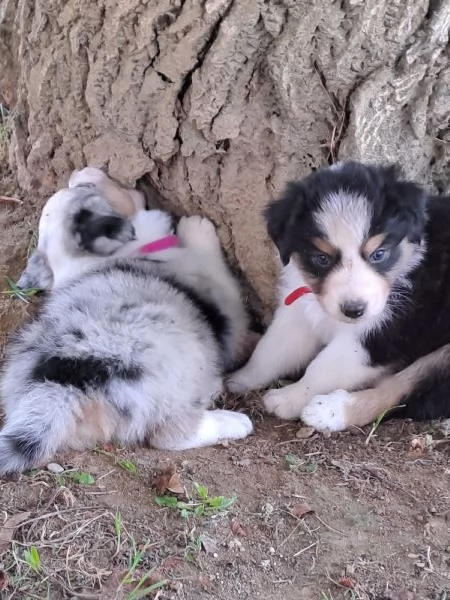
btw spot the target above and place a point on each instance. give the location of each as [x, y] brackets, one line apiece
[208, 428]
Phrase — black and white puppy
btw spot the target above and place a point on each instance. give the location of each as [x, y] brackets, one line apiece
[364, 300]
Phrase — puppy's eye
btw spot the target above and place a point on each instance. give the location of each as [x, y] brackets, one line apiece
[379, 255]
[322, 260]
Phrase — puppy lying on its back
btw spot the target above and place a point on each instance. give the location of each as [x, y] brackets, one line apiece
[128, 347]
[364, 300]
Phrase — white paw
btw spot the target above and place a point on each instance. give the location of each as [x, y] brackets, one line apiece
[233, 425]
[283, 404]
[151, 225]
[328, 412]
[240, 382]
[197, 232]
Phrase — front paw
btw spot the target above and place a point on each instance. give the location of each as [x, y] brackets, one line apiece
[283, 404]
[198, 232]
[328, 412]
[240, 382]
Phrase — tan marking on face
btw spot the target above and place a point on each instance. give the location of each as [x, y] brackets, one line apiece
[324, 246]
[373, 244]
[410, 256]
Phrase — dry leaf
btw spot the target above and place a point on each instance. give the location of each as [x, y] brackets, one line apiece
[7, 530]
[175, 485]
[239, 529]
[347, 582]
[162, 479]
[209, 544]
[3, 580]
[301, 510]
[205, 583]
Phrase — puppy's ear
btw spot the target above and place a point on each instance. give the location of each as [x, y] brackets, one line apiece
[37, 274]
[99, 233]
[406, 201]
[281, 216]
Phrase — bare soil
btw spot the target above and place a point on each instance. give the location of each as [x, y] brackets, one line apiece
[318, 518]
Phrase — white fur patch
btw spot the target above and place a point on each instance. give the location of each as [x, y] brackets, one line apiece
[328, 412]
[215, 426]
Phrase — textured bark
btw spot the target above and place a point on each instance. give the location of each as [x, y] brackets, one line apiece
[214, 104]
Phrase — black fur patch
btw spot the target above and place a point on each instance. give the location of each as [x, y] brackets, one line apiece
[84, 373]
[210, 312]
[90, 226]
[421, 320]
[25, 446]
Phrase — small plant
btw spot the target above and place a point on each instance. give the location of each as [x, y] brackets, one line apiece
[118, 529]
[139, 591]
[33, 559]
[127, 465]
[300, 465]
[200, 505]
[80, 477]
[193, 546]
[379, 420]
[123, 463]
[16, 292]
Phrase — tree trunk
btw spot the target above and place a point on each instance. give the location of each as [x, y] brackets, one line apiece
[214, 104]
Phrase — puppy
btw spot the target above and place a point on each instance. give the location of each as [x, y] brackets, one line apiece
[55, 248]
[364, 300]
[134, 348]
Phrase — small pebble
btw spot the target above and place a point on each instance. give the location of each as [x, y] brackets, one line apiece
[55, 468]
[272, 550]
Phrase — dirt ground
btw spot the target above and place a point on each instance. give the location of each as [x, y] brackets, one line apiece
[345, 516]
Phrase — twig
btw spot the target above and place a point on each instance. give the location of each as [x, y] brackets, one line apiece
[329, 526]
[11, 199]
[304, 549]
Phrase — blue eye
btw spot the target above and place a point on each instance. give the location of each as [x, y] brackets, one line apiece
[379, 255]
[322, 260]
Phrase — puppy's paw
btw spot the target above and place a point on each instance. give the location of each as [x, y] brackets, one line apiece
[328, 412]
[198, 232]
[283, 403]
[151, 225]
[233, 425]
[240, 382]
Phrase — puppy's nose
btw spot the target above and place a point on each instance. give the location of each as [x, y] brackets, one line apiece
[353, 309]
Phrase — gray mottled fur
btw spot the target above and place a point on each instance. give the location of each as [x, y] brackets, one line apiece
[138, 320]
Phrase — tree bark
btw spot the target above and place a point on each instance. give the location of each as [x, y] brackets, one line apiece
[215, 104]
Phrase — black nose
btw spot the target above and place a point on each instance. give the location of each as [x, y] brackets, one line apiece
[353, 309]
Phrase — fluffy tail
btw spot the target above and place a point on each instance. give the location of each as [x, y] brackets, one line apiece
[33, 434]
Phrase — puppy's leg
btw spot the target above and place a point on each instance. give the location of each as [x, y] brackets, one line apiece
[344, 363]
[421, 390]
[212, 427]
[288, 344]
[204, 267]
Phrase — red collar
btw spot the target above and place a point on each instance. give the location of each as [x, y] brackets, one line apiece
[170, 241]
[296, 294]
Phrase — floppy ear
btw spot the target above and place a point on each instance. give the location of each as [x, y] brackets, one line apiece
[280, 217]
[406, 201]
[37, 273]
[99, 233]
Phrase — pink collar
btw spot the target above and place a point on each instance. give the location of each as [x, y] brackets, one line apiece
[170, 241]
[296, 294]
